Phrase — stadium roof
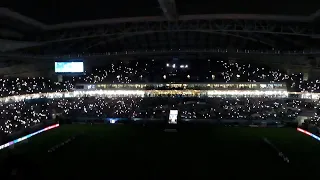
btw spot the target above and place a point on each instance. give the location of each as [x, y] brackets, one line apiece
[59, 27]
[61, 11]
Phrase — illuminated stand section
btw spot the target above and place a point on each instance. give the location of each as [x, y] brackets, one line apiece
[184, 89]
[27, 136]
[237, 93]
[152, 93]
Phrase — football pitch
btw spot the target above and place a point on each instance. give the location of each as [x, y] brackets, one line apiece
[126, 151]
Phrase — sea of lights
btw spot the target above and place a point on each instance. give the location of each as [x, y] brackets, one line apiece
[27, 136]
[135, 71]
[308, 133]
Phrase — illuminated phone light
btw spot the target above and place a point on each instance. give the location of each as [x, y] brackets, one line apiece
[308, 133]
[28, 136]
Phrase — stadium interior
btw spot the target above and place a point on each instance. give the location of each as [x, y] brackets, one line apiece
[159, 89]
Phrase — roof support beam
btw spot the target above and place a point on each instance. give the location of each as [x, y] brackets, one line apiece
[315, 15]
[169, 9]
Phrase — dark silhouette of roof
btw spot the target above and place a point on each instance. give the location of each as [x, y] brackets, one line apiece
[63, 11]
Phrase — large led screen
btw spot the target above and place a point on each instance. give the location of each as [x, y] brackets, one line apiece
[68, 67]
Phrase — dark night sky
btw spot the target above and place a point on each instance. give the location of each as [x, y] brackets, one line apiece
[59, 11]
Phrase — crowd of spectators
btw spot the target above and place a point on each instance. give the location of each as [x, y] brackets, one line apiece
[148, 71]
[23, 114]
[19, 115]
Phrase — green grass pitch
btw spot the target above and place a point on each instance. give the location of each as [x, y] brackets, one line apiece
[125, 151]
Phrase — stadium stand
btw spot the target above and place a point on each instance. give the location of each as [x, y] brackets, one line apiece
[138, 76]
[239, 70]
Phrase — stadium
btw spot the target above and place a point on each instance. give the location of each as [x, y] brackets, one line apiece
[159, 89]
